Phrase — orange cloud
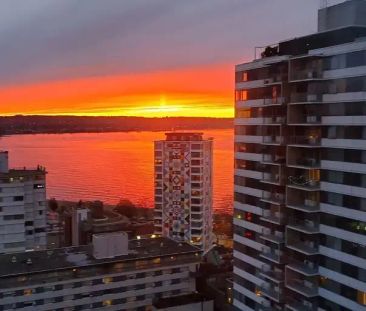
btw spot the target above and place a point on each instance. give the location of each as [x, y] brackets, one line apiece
[199, 91]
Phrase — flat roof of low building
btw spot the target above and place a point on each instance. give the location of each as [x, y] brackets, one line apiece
[182, 300]
[82, 256]
[184, 136]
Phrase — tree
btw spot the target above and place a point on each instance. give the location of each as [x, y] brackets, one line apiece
[53, 205]
[127, 208]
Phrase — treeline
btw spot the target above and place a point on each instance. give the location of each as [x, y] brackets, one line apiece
[79, 124]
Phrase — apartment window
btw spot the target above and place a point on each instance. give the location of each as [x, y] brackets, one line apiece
[241, 95]
[13, 217]
[361, 297]
[18, 198]
[29, 223]
[107, 280]
[14, 245]
[243, 113]
[196, 162]
[196, 146]
[107, 303]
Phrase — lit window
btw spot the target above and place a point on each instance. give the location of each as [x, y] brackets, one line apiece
[27, 292]
[245, 76]
[107, 303]
[107, 280]
[361, 298]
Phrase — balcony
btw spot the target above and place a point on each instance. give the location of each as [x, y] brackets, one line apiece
[303, 201]
[304, 162]
[297, 305]
[273, 293]
[303, 183]
[277, 237]
[306, 247]
[308, 141]
[274, 120]
[274, 198]
[273, 159]
[304, 115]
[309, 206]
[274, 216]
[273, 140]
[306, 226]
[305, 75]
[274, 255]
[304, 287]
[273, 274]
[306, 268]
[302, 98]
[271, 178]
[273, 101]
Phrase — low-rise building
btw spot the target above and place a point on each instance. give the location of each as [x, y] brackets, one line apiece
[74, 279]
[22, 207]
[189, 302]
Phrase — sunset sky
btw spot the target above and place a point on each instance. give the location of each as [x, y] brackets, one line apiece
[135, 57]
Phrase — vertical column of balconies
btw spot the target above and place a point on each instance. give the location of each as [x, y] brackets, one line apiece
[260, 167]
[273, 217]
[303, 186]
[158, 180]
[197, 197]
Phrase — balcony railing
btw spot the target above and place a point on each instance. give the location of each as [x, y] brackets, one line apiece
[305, 247]
[273, 101]
[307, 268]
[303, 183]
[296, 305]
[273, 216]
[274, 120]
[305, 75]
[273, 140]
[273, 159]
[305, 226]
[306, 98]
[271, 178]
[306, 162]
[308, 205]
[275, 198]
[276, 237]
[274, 293]
[274, 255]
[273, 274]
[306, 288]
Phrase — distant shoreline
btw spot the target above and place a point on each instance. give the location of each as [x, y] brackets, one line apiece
[31, 125]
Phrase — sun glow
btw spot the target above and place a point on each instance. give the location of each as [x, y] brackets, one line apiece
[179, 92]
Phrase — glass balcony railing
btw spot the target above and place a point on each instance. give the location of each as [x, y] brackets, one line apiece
[305, 226]
[305, 140]
[304, 287]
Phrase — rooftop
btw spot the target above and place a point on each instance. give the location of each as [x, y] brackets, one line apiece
[301, 46]
[184, 136]
[76, 257]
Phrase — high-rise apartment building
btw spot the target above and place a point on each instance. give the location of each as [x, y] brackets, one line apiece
[183, 188]
[22, 207]
[300, 170]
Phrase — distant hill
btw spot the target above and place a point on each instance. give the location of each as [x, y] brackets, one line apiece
[75, 124]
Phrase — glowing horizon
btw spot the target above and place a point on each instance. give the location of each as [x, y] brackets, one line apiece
[204, 91]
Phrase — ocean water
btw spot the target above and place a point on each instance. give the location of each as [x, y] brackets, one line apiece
[111, 166]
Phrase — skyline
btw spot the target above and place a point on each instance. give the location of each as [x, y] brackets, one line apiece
[106, 61]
